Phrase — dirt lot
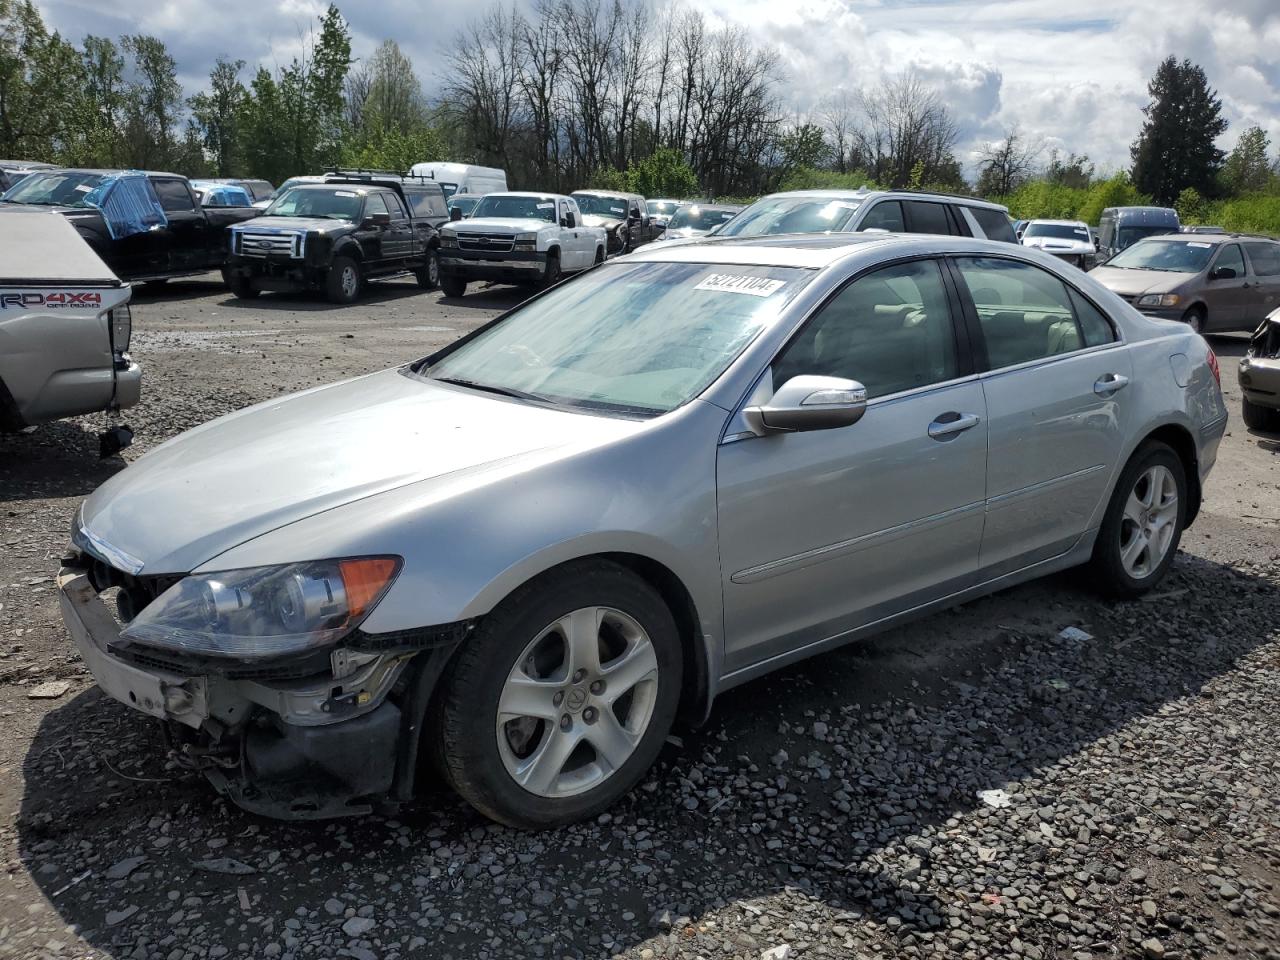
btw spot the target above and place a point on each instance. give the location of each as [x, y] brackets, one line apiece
[832, 809]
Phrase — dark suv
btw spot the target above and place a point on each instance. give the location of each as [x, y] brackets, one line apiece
[337, 234]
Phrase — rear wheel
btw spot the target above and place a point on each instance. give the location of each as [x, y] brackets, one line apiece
[1194, 318]
[1259, 418]
[1143, 523]
[429, 275]
[453, 286]
[342, 285]
[560, 701]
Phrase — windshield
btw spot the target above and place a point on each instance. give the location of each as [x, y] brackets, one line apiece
[1058, 231]
[1127, 236]
[465, 204]
[662, 208]
[774, 215]
[631, 338]
[515, 207]
[333, 204]
[1174, 256]
[615, 207]
[61, 189]
[699, 218]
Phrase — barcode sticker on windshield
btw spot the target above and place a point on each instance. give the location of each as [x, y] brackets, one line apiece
[729, 283]
[83, 188]
[546, 206]
[343, 193]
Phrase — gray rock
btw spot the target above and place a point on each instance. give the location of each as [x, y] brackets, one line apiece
[358, 926]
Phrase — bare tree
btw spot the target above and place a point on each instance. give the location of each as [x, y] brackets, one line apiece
[1008, 163]
[839, 115]
[482, 92]
[908, 132]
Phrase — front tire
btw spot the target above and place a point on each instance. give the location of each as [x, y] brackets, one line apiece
[560, 701]
[1195, 319]
[551, 273]
[342, 285]
[429, 275]
[1143, 523]
[453, 286]
[1259, 418]
[241, 288]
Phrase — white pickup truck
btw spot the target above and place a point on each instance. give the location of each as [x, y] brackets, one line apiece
[520, 238]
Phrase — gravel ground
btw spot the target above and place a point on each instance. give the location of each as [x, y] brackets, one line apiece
[974, 785]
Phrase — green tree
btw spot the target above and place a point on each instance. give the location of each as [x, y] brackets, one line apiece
[1075, 172]
[92, 138]
[264, 152]
[1190, 206]
[216, 116]
[1247, 169]
[803, 146]
[664, 173]
[152, 104]
[39, 72]
[1176, 148]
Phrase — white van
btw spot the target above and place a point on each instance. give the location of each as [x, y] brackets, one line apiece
[462, 177]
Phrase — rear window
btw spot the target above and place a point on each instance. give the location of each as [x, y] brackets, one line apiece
[994, 224]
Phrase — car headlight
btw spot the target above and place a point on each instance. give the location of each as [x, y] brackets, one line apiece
[121, 327]
[265, 611]
[1160, 300]
[526, 241]
[448, 240]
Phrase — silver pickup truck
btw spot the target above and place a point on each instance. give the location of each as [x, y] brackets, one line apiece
[64, 329]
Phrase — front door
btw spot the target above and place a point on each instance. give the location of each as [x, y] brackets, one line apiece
[1058, 405]
[824, 531]
[398, 244]
[185, 236]
[1227, 297]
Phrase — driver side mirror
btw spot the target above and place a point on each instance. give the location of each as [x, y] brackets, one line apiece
[809, 403]
[455, 214]
[1222, 273]
[378, 220]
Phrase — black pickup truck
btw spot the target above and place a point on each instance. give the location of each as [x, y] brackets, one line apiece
[336, 234]
[144, 225]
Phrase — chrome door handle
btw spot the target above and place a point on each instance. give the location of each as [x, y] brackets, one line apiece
[1110, 383]
[948, 425]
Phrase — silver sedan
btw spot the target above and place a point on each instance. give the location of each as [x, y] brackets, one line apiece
[526, 555]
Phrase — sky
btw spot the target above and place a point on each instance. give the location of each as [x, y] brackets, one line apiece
[1076, 80]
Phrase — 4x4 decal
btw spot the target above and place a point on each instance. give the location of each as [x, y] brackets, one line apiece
[51, 300]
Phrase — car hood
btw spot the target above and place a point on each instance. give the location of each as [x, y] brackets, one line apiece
[1059, 245]
[1133, 283]
[513, 224]
[293, 224]
[684, 233]
[49, 208]
[248, 473]
[596, 220]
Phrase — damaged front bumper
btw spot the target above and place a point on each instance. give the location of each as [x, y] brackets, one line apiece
[292, 741]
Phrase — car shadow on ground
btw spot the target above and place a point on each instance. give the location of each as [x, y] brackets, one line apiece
[314, 301]
[915, 723]
[58, 459]
[496, 296]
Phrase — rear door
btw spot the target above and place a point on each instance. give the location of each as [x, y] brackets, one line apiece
[930, 216]
[825, 531]
[1059, 404]
[1264, 264]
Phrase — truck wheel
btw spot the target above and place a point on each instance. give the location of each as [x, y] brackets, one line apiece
[429, 275]
[1259, 418]
[453, 286]
[342, 285]
[241, 287]
[551, 275]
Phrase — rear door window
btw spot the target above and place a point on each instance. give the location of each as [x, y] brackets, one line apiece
[926, 217]
[1025, 312]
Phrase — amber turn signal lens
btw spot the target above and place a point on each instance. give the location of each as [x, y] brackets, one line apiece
[365, 580]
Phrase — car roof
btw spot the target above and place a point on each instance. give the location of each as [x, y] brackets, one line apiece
[1208, 237]
[607, 193]
[523, 193]
[1061, 223]
[809, 250]
[865, 193]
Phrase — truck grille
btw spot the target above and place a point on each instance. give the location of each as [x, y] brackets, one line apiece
[250, 244]
[485, 242]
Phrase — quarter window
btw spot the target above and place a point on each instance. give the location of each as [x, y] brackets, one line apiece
[890, 330]
[1025, 312]
[1095, 328]
[886, 215]
[1265, 258]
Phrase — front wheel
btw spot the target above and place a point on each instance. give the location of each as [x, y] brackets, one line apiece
[1194, 318]
[241, 287]
[429, 275]
[551, 274]
[453, 286]
[560, 701]
[342, 285]
[1259, 418]
[1143, 523]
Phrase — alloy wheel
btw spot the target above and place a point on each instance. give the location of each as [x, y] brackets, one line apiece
[1149, 522]
[350, 281]
[577, 702]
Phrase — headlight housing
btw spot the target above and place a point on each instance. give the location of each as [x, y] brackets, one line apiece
[1160, 300]
[261, 612]
[525, 241]
[448, 239]
[121, 327]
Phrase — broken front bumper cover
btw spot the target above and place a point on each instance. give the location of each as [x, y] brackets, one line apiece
[324, 745]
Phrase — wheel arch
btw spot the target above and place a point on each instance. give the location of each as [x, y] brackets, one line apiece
[1178, 437]
[348, 248]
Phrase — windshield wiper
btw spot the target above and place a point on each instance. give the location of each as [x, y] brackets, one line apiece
[491, 388]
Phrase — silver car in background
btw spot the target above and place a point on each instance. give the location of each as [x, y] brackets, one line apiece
[526, 554]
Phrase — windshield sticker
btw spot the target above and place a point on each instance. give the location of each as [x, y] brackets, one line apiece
[546, 206]
[729, 283]
[1201, 246]
[83, 187]
[343, 193]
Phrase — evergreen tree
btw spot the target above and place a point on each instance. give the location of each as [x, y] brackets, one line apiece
[1176, 148]
[1247, 169]
[216, 116]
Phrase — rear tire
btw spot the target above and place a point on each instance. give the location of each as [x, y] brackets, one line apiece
[343, 282]
[1195, 319]
[1259, 418]
[1143, 523]
[453, 286]
[516, 735]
